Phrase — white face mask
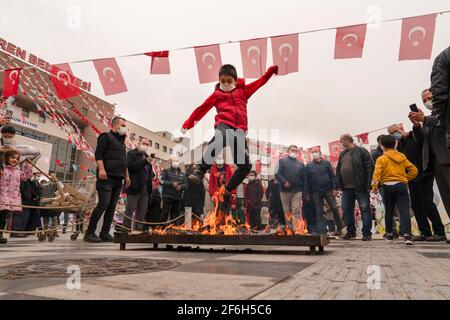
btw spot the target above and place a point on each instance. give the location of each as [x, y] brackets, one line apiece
[227, 89]
[429, 105]
[9, 141]
[122, 131]
[143, 149]
[251, 178]
[175, 164]
[316, 156]
[220, 162]
[293, 155]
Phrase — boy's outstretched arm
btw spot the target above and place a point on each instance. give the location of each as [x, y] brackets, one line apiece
[200, 112]
[251, 88]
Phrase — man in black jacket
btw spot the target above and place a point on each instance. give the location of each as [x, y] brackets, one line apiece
[421, 188]
[174, 183]
[354, 176]
[322, 186]
[275, 205]
[139, 166]
[30, 192]
[111, 159]
[377, 152]
[194, 196]
[435, 154]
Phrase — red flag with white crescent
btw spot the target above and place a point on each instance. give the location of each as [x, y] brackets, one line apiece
[63, 80]
[363, 138]
[160, 62]
[209, 62]
[417, 37]
[350, 42]
[254, 56]
[11, 82]
[335, 148]
[285, 53]
[110, 76]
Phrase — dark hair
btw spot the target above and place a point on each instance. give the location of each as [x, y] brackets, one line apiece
[8, 153]
[254, 172]
[115, 119]
[380, 137]
[388, 142]
[292, 146]
[228, 70]
[8, 129]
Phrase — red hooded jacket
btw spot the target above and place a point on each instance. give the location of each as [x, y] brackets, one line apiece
[231, 106]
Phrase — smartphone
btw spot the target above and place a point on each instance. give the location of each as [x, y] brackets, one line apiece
[414, 108]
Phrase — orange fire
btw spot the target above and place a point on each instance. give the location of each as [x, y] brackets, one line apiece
[220, 222]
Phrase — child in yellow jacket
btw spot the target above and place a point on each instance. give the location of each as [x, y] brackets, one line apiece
[392, 172]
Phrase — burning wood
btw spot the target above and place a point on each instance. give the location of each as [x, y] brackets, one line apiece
[220, 222]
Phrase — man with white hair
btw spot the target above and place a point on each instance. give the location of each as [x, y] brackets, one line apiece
[173, 182]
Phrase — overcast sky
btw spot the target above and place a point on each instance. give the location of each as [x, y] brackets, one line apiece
[312, 107]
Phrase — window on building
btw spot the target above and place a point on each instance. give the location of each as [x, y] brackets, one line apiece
[170, 151]
[84, 111]
[165, 149]
[157, 146]
[25, 113]
[151, 143]
[41, 118]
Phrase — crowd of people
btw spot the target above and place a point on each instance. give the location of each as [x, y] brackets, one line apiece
[402, 170]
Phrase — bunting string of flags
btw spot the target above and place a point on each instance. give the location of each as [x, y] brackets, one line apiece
[416, 42]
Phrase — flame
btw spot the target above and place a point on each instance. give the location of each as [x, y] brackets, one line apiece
[220, 222]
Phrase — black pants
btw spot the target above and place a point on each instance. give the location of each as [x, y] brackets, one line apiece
[442, 175]
[278, 213]
[318, 198]
[108, 195]
[397, 196]
[3, 218]
[421, 192]
[235, 139]
[172, 207]
[255, 218]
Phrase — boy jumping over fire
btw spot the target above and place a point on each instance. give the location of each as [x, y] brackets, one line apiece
[230, 99]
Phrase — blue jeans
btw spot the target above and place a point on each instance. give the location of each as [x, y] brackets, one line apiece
[349, 196]
[31, 219]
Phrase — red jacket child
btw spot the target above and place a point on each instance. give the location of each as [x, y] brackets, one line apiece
[231, 106]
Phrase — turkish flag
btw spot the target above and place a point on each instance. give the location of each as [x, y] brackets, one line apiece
[160, 62]
[11, 82]
[335, 150]
[417, 37]
[285, 53]
[363, 138]
[110, 76]
[209, 62]
[350, 42]
[64, 81]
[254, 55]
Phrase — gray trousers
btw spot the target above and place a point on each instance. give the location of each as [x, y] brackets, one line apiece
[137, 204]
[292, 204]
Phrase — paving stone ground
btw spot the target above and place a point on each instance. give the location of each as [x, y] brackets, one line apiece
[418, 272]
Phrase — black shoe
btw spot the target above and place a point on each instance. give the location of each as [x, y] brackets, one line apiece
[408, 240]
[196, 177]
[389, 236]
[349, 236]
[106, 237]
[436, 238]
[3, 240]
[92, 238]
[420, 238]
[366, 238]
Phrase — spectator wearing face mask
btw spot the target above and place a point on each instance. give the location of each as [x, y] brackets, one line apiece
[254, 196]
[378, 152]
[430, 131]
[139, 165]
[111, 159]
[354, 176]
[8, 133]
[322, 186]
[173, 182]
[293, 185]
[421, 188]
